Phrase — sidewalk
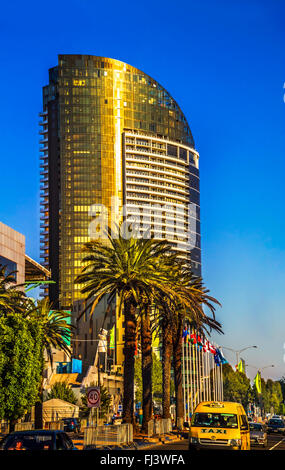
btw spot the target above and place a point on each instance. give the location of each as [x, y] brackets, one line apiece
[142, 442]
[139, 442]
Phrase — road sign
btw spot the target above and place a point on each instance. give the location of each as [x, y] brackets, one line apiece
[93, 397]
[120, 408]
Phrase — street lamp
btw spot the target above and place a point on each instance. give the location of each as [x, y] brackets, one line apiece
[238, 351]
[260, 368]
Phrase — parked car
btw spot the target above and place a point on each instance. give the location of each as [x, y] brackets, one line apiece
[258, 434]
[71, 424]
[275, 426]
[37, 440]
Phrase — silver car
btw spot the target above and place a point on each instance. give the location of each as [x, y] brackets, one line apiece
[258, 434]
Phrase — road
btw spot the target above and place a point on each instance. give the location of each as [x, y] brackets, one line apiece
[275, 442]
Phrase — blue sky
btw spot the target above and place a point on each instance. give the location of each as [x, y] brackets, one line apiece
[224, 64]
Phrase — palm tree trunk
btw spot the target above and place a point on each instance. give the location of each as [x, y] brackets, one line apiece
[12, 423]
[129, 362]
[166, 369]
[146, 349]
[39, 415]
[39, 409]
[177, 367]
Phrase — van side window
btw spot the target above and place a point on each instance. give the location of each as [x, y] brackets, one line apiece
[244, 421]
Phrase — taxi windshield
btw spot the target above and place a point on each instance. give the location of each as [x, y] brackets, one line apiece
[215, 420]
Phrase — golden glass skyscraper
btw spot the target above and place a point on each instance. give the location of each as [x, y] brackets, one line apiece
[111, 133]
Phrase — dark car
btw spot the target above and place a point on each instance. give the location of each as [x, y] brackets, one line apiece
[275, 426]
[37, 440]
[258, 434]
[71, 425]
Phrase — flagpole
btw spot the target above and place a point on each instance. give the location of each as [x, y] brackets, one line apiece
[183, 371]
[199, 373]
[195, 374]
[215, 381]
[188, 368]
[219, 379]
[221, 382]
[208, 376]
[209, 379]
[191, 373]
[202, 374]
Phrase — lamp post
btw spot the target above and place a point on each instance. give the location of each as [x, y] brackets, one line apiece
[259, 369]
[238, 351]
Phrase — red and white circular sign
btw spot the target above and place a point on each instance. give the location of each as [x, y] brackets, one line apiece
[93, 397]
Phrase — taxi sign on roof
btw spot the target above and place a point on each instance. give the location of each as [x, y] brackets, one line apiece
[215, 404]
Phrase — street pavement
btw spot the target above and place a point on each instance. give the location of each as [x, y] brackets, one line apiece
[275, 442]
[77, 440]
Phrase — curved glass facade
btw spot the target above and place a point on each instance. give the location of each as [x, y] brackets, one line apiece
[91, 107]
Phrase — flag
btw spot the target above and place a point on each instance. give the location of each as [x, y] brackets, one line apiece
[241, 366]
[112, 338]
[217, 359]
[212, 348]
[206, 346]
[193, 338]
[199, 341]
[185, 334]
[257, 382]
[221, 356]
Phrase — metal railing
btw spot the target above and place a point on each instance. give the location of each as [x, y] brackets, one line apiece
[54, 425]
[108, 435]
[159, 426]
[28, 426]
[4, 427]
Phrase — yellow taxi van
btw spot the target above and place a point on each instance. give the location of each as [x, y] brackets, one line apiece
[219, 425]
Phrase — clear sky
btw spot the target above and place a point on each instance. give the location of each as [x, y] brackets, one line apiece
[223, 61]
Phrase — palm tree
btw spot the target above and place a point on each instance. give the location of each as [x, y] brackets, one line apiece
[55, 326]
[146, 363]
[166, 331]
[11, 298]
[56, 333]
[171, 319]
[130, 269]
[166, 262]
[198, 298]
[53, 323]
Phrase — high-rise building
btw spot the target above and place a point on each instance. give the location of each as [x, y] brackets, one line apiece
[112, 137]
